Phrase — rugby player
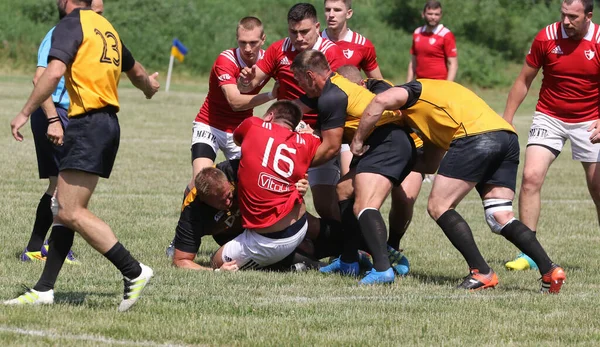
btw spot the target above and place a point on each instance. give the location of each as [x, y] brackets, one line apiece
[567, 107]
[482, 153]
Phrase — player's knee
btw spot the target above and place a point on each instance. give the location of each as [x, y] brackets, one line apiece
[436, 208]
[532, 180]
[498, 213]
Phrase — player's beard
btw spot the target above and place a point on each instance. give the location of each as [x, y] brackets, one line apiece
[62, 8]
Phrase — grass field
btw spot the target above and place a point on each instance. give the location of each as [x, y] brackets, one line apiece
[141, 200]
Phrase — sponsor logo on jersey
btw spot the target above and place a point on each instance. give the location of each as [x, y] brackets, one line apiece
[272, 183]
[589, 54]
[219, 215]
[431, 40]
[224, 77]
[284, 61]
[557, 50]
[348, 53]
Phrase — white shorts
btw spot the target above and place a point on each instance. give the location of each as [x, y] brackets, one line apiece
[215, 138]
[252, 250]
[326, 174]
[552, 133]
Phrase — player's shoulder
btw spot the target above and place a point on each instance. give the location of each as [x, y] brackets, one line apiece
[443, 31]
[282, 45]
[328, 47]
[227, 57]
[549, 33]
[360, 40]
[418, 30]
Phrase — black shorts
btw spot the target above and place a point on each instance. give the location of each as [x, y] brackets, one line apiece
[391, 153]
[48, 155]
[487, 159]
[91, 143]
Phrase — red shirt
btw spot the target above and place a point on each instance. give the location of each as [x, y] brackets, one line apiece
[431, 50]
[571, 71]
[278, 58]
[357, 49]
[273, 159]
[215, 110]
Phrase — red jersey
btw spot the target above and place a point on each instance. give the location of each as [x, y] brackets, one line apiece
[357, 49]
[278, 58]
[273, 159]
[571, 71]
[431, 50]
[215, 110]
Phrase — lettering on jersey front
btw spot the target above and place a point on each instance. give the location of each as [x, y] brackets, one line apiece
[538, 132]
[589, 54]
[224, 77]
[272, 183]
[348, 53]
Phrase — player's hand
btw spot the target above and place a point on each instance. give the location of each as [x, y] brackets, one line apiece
[153, 86]
[247, 75]
[275, 90]
[304, 128]
[302, 185]
[16, 124]
[55, 133]
[229, 266]
[595, 132]
[358, 148]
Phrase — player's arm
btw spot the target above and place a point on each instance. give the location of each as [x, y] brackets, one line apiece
[391, 99]
[330, 146]
[452, 64]
[250, 78]
[375, 73]
[240, 132]
[138, 75]
[519, 91]
[242, 102]
[185, 260]
[412, 67]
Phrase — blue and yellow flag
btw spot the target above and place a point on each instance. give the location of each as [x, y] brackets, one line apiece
[178, 50]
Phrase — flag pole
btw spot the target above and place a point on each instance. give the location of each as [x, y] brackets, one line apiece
[169, 73]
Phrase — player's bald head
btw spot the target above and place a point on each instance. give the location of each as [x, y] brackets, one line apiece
[351, 72]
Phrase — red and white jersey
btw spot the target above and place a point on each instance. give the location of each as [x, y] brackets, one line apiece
[215, 110]
[273, 159]
[571, 71]
[278, 58]
[431, 50]
[357, 49]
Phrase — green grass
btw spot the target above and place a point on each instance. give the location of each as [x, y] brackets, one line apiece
[141, 201]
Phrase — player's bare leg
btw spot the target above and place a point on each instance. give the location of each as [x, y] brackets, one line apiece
[401, 211]
[592, 177]
[326, 201]
[197, 165]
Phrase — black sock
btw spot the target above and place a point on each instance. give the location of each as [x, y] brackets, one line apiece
[61, 240]
[459, 233]
[330, 240]
[374, 233]
[351, 230]
[522, 237]
[43, 221]
[124, 261]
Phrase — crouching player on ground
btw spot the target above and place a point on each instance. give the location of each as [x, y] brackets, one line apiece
[274, 158]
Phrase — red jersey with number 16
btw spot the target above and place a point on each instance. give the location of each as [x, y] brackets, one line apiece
[278, 58]
[571, 71]
[273, 159]
[215, 110]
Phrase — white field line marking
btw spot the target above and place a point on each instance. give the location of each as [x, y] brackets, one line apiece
[89, 338]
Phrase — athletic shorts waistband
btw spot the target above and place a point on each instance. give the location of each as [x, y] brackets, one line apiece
[289, 231]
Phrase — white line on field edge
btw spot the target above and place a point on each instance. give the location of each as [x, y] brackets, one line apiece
[89, 338]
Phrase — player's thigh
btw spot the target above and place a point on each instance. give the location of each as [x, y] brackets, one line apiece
[345, 159]
[538, 160]
[447, 193]
[74, 189]
[582, 148]
[371, 190]
[205, 143]
[592, 176]
[409, 188]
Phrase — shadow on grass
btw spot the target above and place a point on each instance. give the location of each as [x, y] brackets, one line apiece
[78, 298]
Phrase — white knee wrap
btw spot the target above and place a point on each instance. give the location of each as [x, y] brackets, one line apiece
[492, 206]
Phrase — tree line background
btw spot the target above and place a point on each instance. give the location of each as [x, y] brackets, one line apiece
[492, 36]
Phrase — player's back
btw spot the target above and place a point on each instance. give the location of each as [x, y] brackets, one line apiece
[273, 159]
[443, 111]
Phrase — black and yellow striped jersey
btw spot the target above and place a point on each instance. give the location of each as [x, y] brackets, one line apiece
[95, 57]
[443, 111]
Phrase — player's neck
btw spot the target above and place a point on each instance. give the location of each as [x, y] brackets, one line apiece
[336, 35]
[430, 29]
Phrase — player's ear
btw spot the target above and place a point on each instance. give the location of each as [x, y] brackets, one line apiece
[349, 14]
[268, 117]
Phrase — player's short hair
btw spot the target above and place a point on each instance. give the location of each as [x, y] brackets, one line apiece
[301, 12]
[250, 23]
[348, 3]
[287, 111]
[208, 181]
[312, 60]
[432, 5]
[87, 3]
[588, 5]
[351, 72]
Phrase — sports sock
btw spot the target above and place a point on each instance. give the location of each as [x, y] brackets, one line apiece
[375, 235]
[459, 233]
[351, 230]
[522, 237]
[61, 240]
[43, 221]
[330, 240]
[124, 261]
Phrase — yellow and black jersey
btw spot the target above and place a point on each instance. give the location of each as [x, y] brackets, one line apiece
[342, 103]
[443, 111]
[95, 56]
[203, 219]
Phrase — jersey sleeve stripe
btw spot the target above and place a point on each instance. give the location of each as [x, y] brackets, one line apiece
[229, 55]
[286, 44]
[443, 32]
